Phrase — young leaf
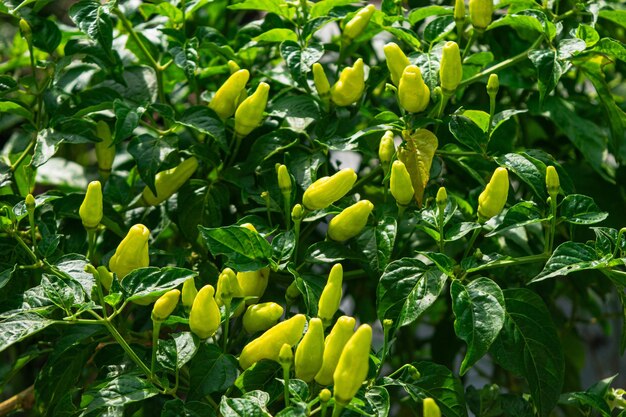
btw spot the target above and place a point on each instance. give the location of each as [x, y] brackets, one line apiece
[246, 250]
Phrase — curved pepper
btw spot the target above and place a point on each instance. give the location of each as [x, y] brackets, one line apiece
[105, 149]
[269, 344]
[90, 210]
[310, 351]
[326, 190]
[386, 150]
[350, 222]
[349, 88]
[132, 252]
[321, 84]
[260, 317]
[164, 306]
[353, 365]
[413, 93]
[168, 182]
[331, 295]
[450, 69]
[492, 200]
[106, 277]
[224, 103]
[204, 317]
[249, 114]
[400, 184]
[480, 12]
[358, 23]
[396, 61]
[431, 409]
[333, 346]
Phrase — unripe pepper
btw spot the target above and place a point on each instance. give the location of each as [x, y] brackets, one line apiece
[459, 11]
[105, 149]
[353, 365]
[431, 409]
[249, 114]
[400, 184]
[451, 69]
[26, 31]
[553, 183]
[349, 88]
[333, 346]
[480, 13]
[321, 84]
[106, 277]
[358, 23]
[164, 306]
[396, 61]
[331, 295]
[386, 150]
[492, 200]
[260, 317]
[189, 293]
[30, 203]
[325, 395]
[310, 351]
[224, 103]
[233, 67]
[284, 180]
[269, 344]
[253, 284]
[297, 213]
[285, 356]
[326, 190]
[227, 287]
[204, 318]
[350, 222]
[168, 182]
[442, 198]
[413, 93]
[292, 293]
[493, 85]
[90, 210]
[132, 252]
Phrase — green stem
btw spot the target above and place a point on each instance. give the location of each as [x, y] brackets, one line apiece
[91, 240]
[337, 409]
[286, 382]
[552, 223]
[492, 110]
[367, 179]
[226, 324]
[24, 154]
[131, 353]
[442, 243]
[156, 329]
[471, 41]
[471, 241]
[383, 355]
[508, 262]
[286, 207]
[24, 246]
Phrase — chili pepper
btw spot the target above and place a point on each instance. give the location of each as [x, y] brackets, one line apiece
[413, 93]
[26, 31]
[297, 213]
[253, 284]
[233, 67]
[204, 317]
[396, 61]
[331, 295]
[284, 180]
[132, 252]
[285, 355]
[400, 184]
[310, 351]
[341, 332]
[227, 287]
[292, 293]
[386, 150]
[269, 344]
[492, 200]
[353, 365]
[431, 409]
[90, 210]
[321, 84]
[326, 190]
[165, 305]
[168, 182]
[480, 12]
[30, 203]
[349, 88]
[106, 277]
[260, 317]
[358, 23]
[553, 183]
[442, 198]
[493, 85]
[224, 103]
[105, 149]
[459, 11]
[450, 69]
[350, 222]
[249, 114]
[189, 293]
[325, 395]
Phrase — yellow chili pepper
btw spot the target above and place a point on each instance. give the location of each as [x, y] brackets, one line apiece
[450, 69]
[326, 190]
[284, 180]
[224, 103]
[204, 318]
[400, 184]
[331, 295]
[249, 114]
[325, 395]
[165, 305]
[233, 67]
[553, 183]
[269, 344]
[253, 284]
[396, 61]
[333, 346]
[321, 84]
[285, 356]
[90, 210]
[260, 317]
[492, 200]
[349, 88]
[105, 149]
[26, 31]
[227, 287]
[310, 351]
[168, 182]
[459, 11]
[297, 213]
[386, 150]
[431, 409]
[413, 93]
[358, 23]
[132, 252]
[480, 12]
[353, 365]
[189, 293]
[106, 277]
[350, 222]
[442, 198]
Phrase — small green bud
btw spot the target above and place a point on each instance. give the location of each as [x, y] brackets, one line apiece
[297, 213]
[285, 356]
[442, 198]
[325, 395]
[553, 183]
[413, 372]
[493, 84]
[30, 203]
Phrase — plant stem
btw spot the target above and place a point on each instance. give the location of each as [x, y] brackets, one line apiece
[286, 383]
[337, 409]
[91, 240]
[156, 329]
[471, 241]
[226, 324]
[552, 223]
[131, 353]
[515, 261]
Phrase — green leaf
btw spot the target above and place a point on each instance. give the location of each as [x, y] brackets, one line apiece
[20, 326]
[277, 35]
[151, 153]
[479, 311]
[203, 120]
[406, 289]
[549, 67]
[153, 282]
[176, 352]
[48, 142]
[178, 408]
[15, 108]
[421, 13]
[311, 287]
[321, 8]
[468, 133]
[126, 119]
[246, 250]
[241, 407]
[528, 345]
[594, 397]
[616, 16]
[120, 391]
[262, 375]
[375, 244]
[581, 209]
[519, 22]
[529, 170]
[572, 257]
[378, 399]
[93, 20]
[521, 214]
[272, 6]
[200, 203]
[211, 371]
[299, 61]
